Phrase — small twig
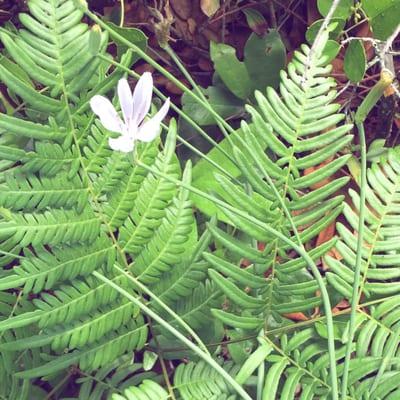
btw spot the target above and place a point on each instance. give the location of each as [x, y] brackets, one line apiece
[345, 87]
[272, 12]
[396, 90]
[355, 25]
[390, 40]
[364, 39]
[318, 39]
[289, 10]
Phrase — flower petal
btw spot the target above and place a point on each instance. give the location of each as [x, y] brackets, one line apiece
[125, 100]
[124, 143]
[109, 117]
[142, 97]
[151, 128]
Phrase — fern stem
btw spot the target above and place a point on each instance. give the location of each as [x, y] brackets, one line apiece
[189, 120]
[159, 68]
[208, 359]
[160, 354]
[260, 372]
[7, 253]
[317, 41]
[298, 248]
[195, 86]
[165, 307]
[357, 267]
[316, 274]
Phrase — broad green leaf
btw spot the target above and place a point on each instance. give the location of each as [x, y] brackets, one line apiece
[135, 36]
[331, 50]
[220, 99]
[343, 10]
[264, 57]
[204, 177]
[313, 29]
[338, 329]
[384, 16]
[231, 71]
[355, 61]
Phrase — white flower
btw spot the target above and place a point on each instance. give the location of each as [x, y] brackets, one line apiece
[134, 109]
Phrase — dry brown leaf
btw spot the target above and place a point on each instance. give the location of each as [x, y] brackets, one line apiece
[182, 8]
[299, 316]
[205, 64]
[312, 169]
[209, 7]
[327, 234]
[192, 25]
[172, 88]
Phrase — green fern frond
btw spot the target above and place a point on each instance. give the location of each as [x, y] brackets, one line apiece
[199, 381]
[154, 195]
[29, 192]
[171, 239]
[121, 200]
[129, 337]
[50, 227]
[47, 158]
[65, 304]
[52, 49]
[184, 277]
[195, 311]
[148, 390]
[380, 254]
[82, 332]
[43, 269]
[303, 141]
[64, 195]
[111, 379]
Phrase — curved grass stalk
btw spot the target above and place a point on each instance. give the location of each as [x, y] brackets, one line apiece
[206, 357]
[357, 267]
[298, 248]
[318, 278]
[196, 87]
[165, 307]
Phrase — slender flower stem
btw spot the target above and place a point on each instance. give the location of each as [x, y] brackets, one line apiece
[299, 249]
[357, 268]
[144, 289]
[317, 276]
[195, 86]
[207, 358]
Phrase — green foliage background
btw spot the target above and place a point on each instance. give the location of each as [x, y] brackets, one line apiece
[70, 206]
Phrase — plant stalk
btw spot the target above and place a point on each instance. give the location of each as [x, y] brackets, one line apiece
[357, 268]
[207, 358]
